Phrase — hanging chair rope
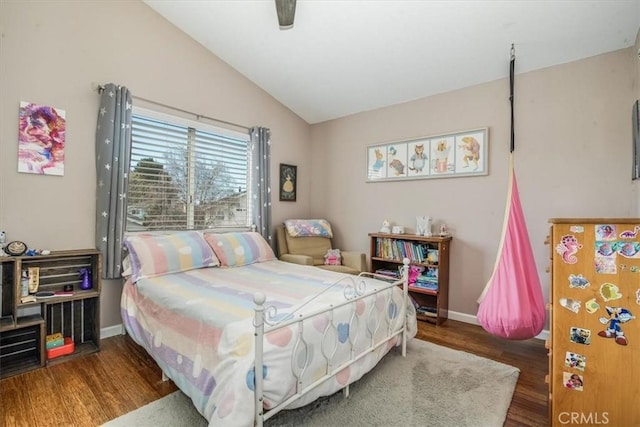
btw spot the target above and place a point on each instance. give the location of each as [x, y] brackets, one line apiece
[512, 67]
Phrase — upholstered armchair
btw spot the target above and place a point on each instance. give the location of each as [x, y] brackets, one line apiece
[310, 250]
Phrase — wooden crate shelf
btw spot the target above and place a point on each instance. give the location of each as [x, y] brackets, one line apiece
[76, 316]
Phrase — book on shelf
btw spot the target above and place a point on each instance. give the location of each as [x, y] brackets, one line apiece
[397, 249]
[427, 311]
[426, 286]
[394, 274]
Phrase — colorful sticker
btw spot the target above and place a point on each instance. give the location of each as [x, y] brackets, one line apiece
[578, 281]
[628, 234]
[609, 292]
[568, 248]
[575, 360]
[638, 296]
[617, 316]
[591, 306]
[628, 249]
[576, 229]
[605, 265]
[580, 335]
[572, 381]
[571, 304]
[634, 269]
[606, 232]
[604, 249]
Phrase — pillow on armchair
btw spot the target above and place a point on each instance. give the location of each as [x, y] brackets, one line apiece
[310, 250]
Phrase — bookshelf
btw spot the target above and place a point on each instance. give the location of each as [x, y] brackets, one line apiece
[430, 292]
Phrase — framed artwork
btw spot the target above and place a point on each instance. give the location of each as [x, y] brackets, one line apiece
[439, 156]
[288, 187]
[41, 139]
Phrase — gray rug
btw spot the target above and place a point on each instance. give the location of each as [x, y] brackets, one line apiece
[433, 385]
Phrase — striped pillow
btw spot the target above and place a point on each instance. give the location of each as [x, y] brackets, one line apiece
[237, 249]
[157, 254]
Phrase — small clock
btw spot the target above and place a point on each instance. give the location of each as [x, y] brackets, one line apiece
[15, 248]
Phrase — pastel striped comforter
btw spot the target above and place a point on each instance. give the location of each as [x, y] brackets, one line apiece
[198, 326]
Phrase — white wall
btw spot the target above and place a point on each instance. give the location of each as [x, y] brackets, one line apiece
[51, 52]
[573, 159]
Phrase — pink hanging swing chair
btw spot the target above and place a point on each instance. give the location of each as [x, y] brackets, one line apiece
[511, 305]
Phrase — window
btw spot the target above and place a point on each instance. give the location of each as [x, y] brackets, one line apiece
[186, 175]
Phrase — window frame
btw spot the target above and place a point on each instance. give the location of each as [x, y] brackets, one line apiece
[200, 126]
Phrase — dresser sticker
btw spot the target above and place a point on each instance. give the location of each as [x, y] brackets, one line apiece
[606, 232]
[605, 249]
[605, 265]
[568, 248]
[628, 249]
[572, 381]
[580, 335]
[630, 234]
[638, 296]
[571, 304]
[616, 317]
[578, 281]
[575, 360]
[591, 306]
[610, 292]
[576, 229]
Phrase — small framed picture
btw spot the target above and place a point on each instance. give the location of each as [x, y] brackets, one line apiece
[288, 187]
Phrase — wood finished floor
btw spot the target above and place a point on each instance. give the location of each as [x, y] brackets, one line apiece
[93, 389]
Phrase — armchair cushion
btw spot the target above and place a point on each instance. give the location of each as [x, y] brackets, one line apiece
[311, 251]
[315, 247]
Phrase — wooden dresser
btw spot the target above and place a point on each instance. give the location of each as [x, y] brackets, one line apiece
[594, 350]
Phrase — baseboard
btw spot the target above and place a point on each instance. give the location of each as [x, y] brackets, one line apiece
[468, 318]
[111, 331]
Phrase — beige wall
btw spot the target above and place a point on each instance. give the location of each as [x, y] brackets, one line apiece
[573, 159]
[572, 137]
[52, 52]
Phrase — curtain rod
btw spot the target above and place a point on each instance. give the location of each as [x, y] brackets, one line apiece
[100, 88]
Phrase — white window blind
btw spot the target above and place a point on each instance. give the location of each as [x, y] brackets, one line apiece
[186, 175]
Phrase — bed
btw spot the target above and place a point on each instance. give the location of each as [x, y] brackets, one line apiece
[210, 307]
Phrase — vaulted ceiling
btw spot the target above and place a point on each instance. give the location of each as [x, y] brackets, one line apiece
[346, 56]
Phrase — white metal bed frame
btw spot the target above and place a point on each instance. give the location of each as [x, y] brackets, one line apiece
[354, 290]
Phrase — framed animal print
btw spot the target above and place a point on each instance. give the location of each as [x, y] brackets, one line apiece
[439, 156]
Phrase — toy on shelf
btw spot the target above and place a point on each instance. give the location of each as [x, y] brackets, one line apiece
[423, 226]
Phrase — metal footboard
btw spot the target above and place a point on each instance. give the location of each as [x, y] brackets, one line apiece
[354, 289]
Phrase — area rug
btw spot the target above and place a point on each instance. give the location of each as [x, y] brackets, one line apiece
[433, 385]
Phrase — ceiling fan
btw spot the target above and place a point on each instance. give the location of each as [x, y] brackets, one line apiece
[286, 12]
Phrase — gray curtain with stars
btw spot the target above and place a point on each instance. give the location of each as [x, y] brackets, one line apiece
[113, 151]
[260, 146]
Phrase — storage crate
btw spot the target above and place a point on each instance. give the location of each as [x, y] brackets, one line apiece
[20, 349]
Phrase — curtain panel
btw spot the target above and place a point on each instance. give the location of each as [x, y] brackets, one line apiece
[113, 151]
[260, 146]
